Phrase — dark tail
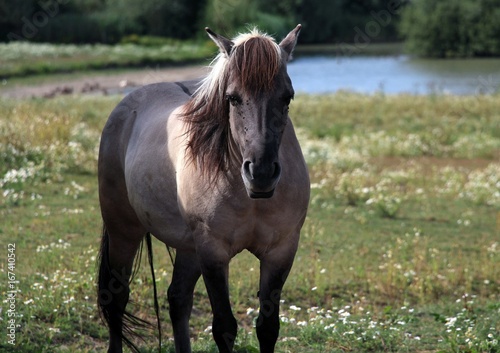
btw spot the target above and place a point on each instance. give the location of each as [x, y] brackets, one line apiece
[112, 300]
[157, 309]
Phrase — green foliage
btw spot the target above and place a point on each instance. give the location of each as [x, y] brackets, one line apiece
[170, 18]
[96, 21]
[452, 28]
[230, 16]
[99, 21]
[340, 20]
[151, 41]
[448, 28]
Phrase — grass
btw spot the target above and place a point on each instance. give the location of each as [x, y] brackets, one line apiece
[18, 59]
[399, 253]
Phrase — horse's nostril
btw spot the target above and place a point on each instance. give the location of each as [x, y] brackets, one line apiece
[246, 169]
[252, 171]
[260, 179]
[277, 170]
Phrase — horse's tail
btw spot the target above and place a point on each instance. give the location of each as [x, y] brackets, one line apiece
[157, 309]
[112, 300]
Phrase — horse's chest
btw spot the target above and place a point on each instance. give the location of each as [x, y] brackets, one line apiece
[234, 221]
[267, 234]
[253, 228]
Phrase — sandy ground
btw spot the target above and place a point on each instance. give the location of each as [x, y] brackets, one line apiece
[100, 83]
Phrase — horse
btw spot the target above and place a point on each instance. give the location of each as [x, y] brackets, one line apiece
[210, 168]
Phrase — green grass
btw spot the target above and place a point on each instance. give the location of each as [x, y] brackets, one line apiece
[18, 59]
[399, 253]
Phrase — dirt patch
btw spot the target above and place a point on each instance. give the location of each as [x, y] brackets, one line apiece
[104, 83]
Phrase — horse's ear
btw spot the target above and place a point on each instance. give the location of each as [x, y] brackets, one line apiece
[288, 44]
[225, 45]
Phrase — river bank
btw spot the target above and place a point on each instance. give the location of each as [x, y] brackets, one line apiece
[95, 82]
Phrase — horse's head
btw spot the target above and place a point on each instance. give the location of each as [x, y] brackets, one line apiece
[257, 91]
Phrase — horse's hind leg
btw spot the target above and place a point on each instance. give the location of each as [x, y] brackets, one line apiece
[118, 250]
[180, 297]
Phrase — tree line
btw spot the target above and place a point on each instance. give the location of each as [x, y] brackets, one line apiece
[444, 28]
[452, 28]
[108, 21]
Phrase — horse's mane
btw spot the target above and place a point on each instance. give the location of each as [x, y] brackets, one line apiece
[254, 62]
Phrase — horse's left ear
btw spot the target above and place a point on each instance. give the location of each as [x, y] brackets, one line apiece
[288, 44]
[225, 45]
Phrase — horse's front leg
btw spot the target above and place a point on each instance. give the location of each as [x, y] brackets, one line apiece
[214, 263]
[274, 269]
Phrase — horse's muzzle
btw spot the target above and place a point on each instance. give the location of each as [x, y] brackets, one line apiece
[260, 180]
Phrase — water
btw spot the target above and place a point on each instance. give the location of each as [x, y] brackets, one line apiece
[394, 74]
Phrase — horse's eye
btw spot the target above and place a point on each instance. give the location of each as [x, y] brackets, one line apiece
[233, 99]
[287, 99]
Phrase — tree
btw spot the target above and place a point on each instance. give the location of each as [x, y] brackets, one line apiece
[171, 18]
[452, 28]
[229, 16]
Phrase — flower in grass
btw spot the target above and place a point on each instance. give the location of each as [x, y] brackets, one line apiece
[72, 211]
[71, 299]
[344, 313]
[329, 327]
[61, 244]
[74, 190]
[313, 309]
[493, 248]
[450, 321]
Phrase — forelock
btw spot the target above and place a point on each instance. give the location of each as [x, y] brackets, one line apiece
[255, 61]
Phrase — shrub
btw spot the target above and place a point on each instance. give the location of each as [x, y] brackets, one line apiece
[452, 28]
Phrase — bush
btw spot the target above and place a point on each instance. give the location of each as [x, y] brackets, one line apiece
[150, 41]
[452, 28]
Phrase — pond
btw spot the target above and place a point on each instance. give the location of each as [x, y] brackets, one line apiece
[393, 74]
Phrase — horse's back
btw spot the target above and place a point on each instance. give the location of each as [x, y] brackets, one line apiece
[146, 106]
[134, 161]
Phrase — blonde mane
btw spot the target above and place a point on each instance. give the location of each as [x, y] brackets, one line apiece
[254, 62]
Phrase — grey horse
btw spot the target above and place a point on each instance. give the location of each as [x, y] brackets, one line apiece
[209, 168]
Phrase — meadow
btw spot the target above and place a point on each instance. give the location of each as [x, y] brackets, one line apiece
[19, 59]
[400, 251]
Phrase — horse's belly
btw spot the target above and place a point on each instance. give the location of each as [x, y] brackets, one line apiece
[165, 222]
[175, 235]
